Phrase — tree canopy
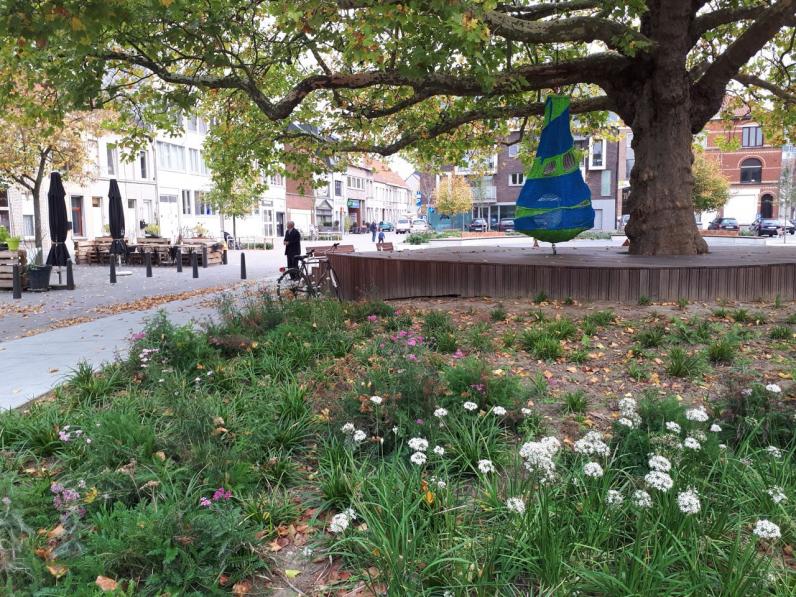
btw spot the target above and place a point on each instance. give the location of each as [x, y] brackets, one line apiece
[431, 78]
[711, 187]
[453, 196]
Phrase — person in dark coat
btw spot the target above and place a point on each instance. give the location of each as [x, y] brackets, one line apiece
[373, 229]
[292, 245]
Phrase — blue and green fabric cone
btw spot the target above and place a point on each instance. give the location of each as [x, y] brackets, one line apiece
[555, 203]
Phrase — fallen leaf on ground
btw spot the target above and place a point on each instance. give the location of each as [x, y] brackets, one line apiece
[105, 583]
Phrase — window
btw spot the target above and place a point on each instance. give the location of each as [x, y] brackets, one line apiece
[191, 124]
[751, 136]
[131, 204]
[338, 188]
[27, 225]
[516, 179]
[112, 159]
[597, 154]
[96, 202]
[202, 208]
[355, 182]
[193, 161]
[751, 170]
[171, 156]
[605, 183]
[142, 163]
[77, 215]
[168, 199]
[277, 180]
[5, 217]
[514, 150]
[186, 202]
[202, 125]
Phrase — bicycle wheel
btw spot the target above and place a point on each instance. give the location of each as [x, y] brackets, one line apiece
[293, 284]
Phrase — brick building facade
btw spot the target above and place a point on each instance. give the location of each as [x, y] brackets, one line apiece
[751, 165]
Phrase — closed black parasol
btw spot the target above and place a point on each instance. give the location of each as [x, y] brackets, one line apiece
[56, 199]
[116, 219]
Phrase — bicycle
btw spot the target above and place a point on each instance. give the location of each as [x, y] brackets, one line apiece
[300, 282]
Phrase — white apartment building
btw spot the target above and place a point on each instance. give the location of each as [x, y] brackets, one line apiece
[164, 184]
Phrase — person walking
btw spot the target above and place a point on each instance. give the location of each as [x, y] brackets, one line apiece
[292, 245]
[381, 237]
[373, 230]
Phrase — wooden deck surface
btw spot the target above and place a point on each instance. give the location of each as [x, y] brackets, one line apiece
[585, 273]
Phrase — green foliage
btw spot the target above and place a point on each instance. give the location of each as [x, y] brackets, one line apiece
[723, 350]
[682, 303]
[644, 301]
[418, 238]
[685, 364]
[637, 371]
[498, 313]
[711, 187]
[780, 332]
[541, 297]
[575, 402]
[601, 318]
[651, 337]
[479, 339]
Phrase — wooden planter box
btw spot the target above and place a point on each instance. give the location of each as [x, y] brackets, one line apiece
[8, 259]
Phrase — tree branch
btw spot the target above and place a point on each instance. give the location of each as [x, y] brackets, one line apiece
[723, 16]
[577, 29]
[754, 81]
[446, 126]
[534, 13]
[708, 92]
[595, 68]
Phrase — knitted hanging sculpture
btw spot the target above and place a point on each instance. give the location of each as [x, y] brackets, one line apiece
[555, 203]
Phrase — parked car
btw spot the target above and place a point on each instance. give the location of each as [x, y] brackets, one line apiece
[420, 226]
[403, 226]
[506, 225]
[724, 224]
[766, 227]
[386, 227]
[478, 225]
[791, 227]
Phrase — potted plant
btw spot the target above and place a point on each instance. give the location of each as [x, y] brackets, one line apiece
[200, 231]
[152, 230]
[39, 277]
[13, 243]
[4, 236]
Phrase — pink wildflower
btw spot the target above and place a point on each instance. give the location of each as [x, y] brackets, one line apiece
[458, 354]
[204, 502]
[221, 494]
[411, 357]
[373, 318]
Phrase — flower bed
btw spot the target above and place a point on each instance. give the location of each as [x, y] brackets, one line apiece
[363, 448]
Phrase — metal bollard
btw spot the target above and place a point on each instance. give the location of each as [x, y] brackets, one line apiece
[204, 256]
[70, 276]
[148, 263]
[195, 264]
[243, 266]
[113, 270]
[179, 260]
[17, 283]
[224, 258]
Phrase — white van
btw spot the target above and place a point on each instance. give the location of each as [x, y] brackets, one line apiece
[403, 226]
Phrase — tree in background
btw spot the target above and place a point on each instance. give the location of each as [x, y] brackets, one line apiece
[38, 137]
[711, 188]
[787, 187]
[431, 78]
[453, 196]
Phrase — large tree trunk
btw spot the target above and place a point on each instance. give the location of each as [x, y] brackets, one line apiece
[661, 184]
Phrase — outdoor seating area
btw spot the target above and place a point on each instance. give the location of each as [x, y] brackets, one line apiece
[8, 259]
[162, 251]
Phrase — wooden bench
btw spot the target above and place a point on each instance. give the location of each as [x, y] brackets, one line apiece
[324, 251]
[8, 259]
[386, 247]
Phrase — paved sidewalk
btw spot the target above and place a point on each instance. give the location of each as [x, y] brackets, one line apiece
[31, 367]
